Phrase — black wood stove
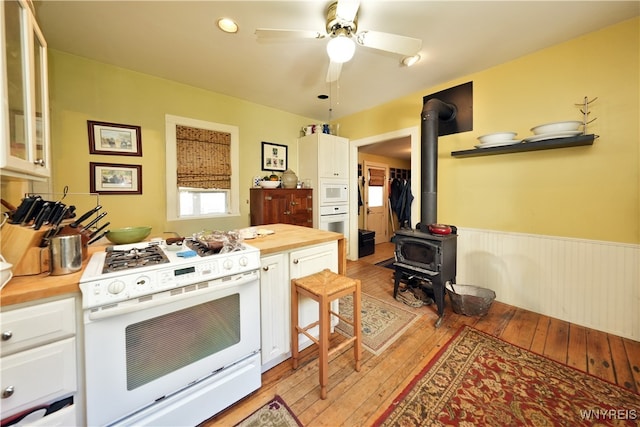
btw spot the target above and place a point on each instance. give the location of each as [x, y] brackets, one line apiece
[419, 253]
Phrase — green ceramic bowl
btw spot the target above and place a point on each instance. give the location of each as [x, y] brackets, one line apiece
[122, 236]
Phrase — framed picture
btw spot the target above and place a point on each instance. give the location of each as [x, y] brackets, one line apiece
[112, 178]
[115, 139]
[274, 157]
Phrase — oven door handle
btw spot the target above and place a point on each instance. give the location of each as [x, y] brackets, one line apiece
[133, 305]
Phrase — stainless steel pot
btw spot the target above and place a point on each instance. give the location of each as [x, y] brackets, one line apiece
[65, 254]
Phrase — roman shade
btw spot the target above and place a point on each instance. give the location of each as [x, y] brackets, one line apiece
[376, 177]
[203, 157]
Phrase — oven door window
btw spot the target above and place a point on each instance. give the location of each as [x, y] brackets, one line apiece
[164, 344]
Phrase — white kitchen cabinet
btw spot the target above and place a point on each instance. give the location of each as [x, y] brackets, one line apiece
[302, 263]
[275, 295]
[24, 139]
[39, 364]
[321, 155]
[275, 289]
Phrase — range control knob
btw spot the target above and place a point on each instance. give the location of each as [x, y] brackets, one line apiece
[142, 280]
[227, 264]
[243, 261]
[116, 287]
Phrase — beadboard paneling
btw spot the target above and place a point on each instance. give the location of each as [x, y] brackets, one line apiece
[590, 283]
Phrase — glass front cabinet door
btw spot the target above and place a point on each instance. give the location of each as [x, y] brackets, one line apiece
[24, 143]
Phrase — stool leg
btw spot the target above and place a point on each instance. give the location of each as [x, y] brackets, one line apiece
[357, 327]
[324, 328]
[294, 324]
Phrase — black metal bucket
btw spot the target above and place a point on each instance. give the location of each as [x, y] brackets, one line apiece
[470, 300]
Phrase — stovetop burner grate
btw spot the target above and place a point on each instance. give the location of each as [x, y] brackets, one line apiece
[118, 260]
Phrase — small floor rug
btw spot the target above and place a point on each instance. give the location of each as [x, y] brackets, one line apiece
[275, 413]
[382, 323]
[387, 263]
[477, 379]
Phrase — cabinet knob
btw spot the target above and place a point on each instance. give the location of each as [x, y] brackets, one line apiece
[38, 162]
[295, 261]
[265, 268]
[6, 335]
[8, 392]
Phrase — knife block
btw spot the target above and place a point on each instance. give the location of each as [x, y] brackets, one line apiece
[20, 246]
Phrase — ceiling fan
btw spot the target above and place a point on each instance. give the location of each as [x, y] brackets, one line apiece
[341, 28]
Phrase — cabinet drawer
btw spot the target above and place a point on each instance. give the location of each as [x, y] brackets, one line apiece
[35, 325]
[63, 417]
[38, 376]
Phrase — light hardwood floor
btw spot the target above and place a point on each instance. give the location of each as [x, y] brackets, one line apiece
[358, 398]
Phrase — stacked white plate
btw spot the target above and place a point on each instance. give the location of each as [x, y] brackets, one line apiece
[555, 130]
[498, 139]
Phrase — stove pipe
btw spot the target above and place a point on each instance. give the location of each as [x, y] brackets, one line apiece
[432, 111]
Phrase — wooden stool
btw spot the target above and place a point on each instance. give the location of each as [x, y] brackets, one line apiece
[325, 287]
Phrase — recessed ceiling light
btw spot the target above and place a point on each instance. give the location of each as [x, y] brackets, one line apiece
[227, 25]
[408, 61]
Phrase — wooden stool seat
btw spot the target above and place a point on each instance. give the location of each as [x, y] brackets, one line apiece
[325, 287]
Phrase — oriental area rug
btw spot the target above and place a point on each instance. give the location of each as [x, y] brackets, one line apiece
[480, 380]
[382, 323]
[275, 413]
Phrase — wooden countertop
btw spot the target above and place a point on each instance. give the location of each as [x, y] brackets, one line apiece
[30, 288]
[286, 237]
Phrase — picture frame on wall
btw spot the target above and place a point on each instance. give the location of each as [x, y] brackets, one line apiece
[113, 178]
[114, 139]
[274, 157]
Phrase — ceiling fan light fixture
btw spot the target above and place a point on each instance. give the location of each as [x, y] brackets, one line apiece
[408, 61]
[227, 25]
[341, 48]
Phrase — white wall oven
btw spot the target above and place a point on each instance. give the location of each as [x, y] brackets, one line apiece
[170, 340]
[334, 218]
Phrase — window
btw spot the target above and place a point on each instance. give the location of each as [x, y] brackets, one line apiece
[202, 169]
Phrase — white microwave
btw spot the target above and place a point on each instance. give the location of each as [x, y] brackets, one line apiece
[332, 193]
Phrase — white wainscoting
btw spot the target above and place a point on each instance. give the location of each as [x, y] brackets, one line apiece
[590, 283]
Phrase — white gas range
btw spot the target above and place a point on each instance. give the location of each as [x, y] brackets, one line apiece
[171, 337]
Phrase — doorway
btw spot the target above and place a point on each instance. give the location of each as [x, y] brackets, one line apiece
[376, 200]
[413, 134]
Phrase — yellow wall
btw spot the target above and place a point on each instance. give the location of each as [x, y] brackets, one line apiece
[82, 90]
[590, 192]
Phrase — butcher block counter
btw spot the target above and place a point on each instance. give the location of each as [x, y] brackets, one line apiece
[285, 237]
[31, 288]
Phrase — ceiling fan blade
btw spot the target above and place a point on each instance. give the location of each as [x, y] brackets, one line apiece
[334, 71]
[389, 42]
[347, 9]
[273, 33]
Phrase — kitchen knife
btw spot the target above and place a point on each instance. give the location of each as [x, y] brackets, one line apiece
[42, 216]
[55, 228]
[84, 216]
[93, 234]
[55, 211]
[11, 210]
[98, 238]
[33, 210]
[94, 221]
[58, 215]
[23, 209]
